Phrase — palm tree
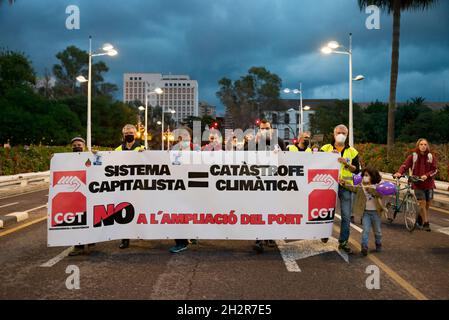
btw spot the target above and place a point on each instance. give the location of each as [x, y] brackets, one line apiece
[395, 7]
[9, 1]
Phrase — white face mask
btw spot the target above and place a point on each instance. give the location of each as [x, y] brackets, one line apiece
[366, 180]
[341, 138]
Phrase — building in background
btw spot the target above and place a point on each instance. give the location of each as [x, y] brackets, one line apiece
[206, 109]
[180, 92]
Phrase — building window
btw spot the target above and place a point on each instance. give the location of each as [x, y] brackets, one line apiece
[286, 133]
[275, 118]
[286, 118]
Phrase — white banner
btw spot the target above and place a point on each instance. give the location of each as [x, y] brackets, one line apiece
[191, 195]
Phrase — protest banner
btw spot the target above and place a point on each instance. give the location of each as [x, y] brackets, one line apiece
[191, 195]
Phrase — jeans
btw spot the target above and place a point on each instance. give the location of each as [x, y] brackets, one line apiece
[345, 197]
[371, 218]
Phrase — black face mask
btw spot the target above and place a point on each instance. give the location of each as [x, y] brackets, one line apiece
[129, 138]
[306, 143]
[77, 149]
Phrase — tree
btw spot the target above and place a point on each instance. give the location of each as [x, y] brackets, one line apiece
[248, 97]
[75, 62]
[15, 71]
[9, 1]
[395, 7]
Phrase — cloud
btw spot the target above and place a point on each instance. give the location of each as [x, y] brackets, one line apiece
[211, 39]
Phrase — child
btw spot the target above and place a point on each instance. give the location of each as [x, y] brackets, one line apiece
[368, 202]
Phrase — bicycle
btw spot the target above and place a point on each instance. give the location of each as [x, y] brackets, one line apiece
[408, 205]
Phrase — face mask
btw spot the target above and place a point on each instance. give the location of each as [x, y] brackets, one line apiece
[185, 144]
[306, 143]
[366, 180]
[341, 138]
[129, 138]
[77, 149]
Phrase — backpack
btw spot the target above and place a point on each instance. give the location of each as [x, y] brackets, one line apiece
[415, 158]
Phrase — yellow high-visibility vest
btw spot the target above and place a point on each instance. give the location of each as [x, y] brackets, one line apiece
[293, 148]
[138, 148]
[349, 153]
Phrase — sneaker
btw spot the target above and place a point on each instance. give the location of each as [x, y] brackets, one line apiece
[378, 247]
[426, 227]
[193, 241]
[258, 247]
[78, 250]
[324, 240]
[178, 248]
[124, 244]
[271, 243]
[344, 245]
[364, 251]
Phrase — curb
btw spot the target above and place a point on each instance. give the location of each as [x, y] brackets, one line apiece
[13, 218]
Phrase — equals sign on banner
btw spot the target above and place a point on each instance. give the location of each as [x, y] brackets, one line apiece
[198, 184]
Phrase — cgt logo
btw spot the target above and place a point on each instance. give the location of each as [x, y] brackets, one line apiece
[122, 213]
[69, 203]
[323, 198]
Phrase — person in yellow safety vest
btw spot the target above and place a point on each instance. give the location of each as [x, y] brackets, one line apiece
[350, 164]
[303, 144]
[129, 132]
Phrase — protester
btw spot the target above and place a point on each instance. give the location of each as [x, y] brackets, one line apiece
[349, 159]
[423, 164]
[265, 140]
[184, 144]
[79, 145]
[214, 142]
[368, 204]
[303, 144]
[130, 143]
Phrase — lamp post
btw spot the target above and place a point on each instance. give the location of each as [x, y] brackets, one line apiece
[332, 48]
[109, 51]
[157, 91]
[163, 112]
[298, 91]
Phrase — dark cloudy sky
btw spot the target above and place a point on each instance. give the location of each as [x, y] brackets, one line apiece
[209, 39]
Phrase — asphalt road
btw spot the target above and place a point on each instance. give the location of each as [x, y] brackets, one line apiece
[412, 266]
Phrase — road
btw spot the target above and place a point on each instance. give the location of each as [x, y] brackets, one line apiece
[412, 266]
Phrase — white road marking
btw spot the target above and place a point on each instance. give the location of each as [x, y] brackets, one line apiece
[296, 250]
[352, 225]
[9, 204]
[50, 263]
[36, 208]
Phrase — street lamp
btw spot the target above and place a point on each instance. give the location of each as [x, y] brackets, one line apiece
[332, 48]
[298, 91]
[108, 51]
[157, 91]
[162, 129]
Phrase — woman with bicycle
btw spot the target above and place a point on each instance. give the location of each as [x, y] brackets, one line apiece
[422, 164]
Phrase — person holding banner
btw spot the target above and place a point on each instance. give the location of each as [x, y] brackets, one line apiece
[185, 144]
[265, 140]
[214, 142]
[129, 132]
[303, 144]
[349, 159]
[78, 145]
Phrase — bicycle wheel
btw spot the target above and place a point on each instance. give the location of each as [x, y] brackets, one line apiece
[390, 214]
[410, 211]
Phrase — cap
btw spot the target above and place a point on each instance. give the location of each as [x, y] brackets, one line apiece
[78, 139]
